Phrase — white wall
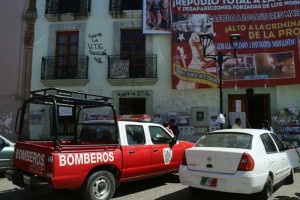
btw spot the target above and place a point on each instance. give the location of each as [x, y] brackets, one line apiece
[165, 99]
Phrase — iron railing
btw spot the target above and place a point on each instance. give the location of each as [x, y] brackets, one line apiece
[125, 8]
[79, 7]
[120, 67]
[64, 68]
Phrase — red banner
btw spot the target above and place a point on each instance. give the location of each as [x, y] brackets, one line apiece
[268, 52]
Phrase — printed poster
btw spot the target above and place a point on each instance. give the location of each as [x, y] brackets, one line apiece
[268, 53]
[157, 16]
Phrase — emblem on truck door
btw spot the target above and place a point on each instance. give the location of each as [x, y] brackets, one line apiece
[167, 153]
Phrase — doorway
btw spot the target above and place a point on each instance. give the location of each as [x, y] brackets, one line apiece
[131, 106]
[255, 106]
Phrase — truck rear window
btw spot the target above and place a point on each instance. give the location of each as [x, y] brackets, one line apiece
[97, 132]
[72, 123]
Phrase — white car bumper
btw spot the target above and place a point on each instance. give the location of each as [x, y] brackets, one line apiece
[240, 182]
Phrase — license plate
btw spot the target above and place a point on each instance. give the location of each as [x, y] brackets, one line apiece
[208, 181]
[26, 179]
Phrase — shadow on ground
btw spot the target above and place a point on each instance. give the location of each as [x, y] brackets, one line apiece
[138, 186]
[129, 189]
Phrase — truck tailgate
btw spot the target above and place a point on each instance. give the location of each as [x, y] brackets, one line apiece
[32, 156]
[66, 166]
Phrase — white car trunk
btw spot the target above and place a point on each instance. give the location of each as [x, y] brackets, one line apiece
[213, 159]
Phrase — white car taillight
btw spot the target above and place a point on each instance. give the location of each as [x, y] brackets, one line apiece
[246, 163]
[183, 159]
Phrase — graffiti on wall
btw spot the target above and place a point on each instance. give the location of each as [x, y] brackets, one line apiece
[5, 123]
[96, 48]
[131, 93]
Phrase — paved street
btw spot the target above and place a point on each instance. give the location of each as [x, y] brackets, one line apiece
[162, 188]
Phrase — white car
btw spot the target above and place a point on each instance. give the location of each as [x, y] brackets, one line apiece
[245, 161]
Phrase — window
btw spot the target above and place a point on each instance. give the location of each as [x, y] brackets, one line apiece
[279, 143]
[227, 140]
[135, 134]
[132, 4]
[66, 54]
[2, 143]
[159, 135]
[268, 143]
[133, 48]
[132, 106]
[69, 6]
[97, 133]
[66, 126]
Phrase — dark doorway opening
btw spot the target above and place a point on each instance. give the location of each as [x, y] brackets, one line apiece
[258, 110]
[129, 106]
[256, 107]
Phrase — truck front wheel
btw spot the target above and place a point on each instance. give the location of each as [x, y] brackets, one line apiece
[99, 186]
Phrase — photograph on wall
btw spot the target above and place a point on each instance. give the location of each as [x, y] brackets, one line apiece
[199, 116]
[156, 16]
[261, 66]
[268, 51]
[180, 118]
[184, 119]
[214, 120]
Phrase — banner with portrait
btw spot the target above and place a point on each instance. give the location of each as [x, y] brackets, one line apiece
[268, 53]
[157, 16]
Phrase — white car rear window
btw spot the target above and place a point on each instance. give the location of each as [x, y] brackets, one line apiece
[227, 140]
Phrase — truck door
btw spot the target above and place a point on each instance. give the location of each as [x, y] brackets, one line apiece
[164, 156]
[137, 155]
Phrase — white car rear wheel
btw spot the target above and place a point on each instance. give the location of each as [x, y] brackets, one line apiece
[267, 192]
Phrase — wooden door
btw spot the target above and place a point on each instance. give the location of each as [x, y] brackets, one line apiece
[66, 54]
[133, 46]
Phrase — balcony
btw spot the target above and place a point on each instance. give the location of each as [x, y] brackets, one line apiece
[67, 10]
[65, 69]
[132, 70]
[125, 8]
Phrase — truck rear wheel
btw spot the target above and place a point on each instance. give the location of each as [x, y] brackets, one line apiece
[99, 186]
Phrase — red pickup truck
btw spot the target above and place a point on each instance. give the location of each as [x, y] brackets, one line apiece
[73, 140]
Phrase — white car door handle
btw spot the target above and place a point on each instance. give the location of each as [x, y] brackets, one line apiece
[131, 151]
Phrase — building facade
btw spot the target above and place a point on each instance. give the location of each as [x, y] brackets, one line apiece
[98, 46]
[17, 22]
